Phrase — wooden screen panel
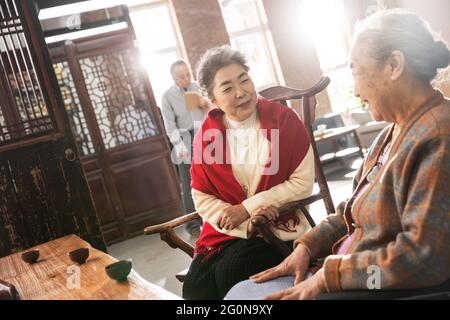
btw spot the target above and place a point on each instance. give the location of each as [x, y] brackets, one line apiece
[139, 193]
[43, 190]
[126, 130]
[110, 224]
[101, 200]
[25, 113]
[35, 208]
[118, 96]
[73, 107]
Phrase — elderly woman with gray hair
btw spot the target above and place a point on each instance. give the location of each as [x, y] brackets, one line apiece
[251, 156]
[393, 233]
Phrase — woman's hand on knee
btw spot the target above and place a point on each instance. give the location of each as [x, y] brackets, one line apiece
[308, 289]
[296, 264]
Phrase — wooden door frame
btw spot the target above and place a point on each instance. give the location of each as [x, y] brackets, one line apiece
[71, 52]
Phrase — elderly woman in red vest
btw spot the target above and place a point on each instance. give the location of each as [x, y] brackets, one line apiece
[394, 231]
[251, 156]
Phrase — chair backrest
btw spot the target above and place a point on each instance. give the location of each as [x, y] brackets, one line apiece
[308, 110]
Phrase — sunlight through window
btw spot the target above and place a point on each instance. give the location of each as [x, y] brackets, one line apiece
[158, 44]
[154, 28]
[325, 22]
[247, 28]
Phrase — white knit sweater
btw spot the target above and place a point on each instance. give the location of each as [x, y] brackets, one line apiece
[249, 150]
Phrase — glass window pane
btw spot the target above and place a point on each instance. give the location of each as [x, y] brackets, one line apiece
[252, 45]
[340, 90]
[326, 29]
[154, 29]
[240, 14]
[158, 68]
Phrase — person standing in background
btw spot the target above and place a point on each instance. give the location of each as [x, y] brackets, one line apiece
[181, 124]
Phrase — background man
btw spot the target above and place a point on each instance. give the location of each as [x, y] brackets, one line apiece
[181, 126]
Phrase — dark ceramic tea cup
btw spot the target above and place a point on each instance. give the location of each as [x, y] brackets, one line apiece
[79, 255]
[119, 270]
[31, 256]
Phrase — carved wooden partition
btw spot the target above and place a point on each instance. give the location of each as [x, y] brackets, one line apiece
[117, 127]
[43, 191]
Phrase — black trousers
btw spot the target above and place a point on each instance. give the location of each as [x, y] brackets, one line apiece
[213, 277]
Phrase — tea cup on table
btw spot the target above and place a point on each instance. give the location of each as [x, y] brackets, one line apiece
[31, 256]
[79, 255]
[321, 128]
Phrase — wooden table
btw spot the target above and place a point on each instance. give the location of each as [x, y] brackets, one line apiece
[52, 277]
[333, 135]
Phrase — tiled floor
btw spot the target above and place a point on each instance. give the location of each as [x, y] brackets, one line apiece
[156, 262]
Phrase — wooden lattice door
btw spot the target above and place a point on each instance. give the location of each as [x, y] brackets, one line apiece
[118, 129]
[43, 191]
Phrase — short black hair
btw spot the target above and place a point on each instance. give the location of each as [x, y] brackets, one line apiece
[215, 59]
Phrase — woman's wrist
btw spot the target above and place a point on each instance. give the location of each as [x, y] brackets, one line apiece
[321, 281]
[244, 211]
[304, 250]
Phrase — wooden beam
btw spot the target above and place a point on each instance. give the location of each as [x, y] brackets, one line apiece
[44, 4]
[84, 20]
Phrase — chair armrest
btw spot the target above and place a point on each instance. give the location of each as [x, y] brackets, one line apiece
[262, 226]
[163, 227]
[169, 236]
[288, 207]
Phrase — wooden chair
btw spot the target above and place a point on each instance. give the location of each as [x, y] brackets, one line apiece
[282, 94]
